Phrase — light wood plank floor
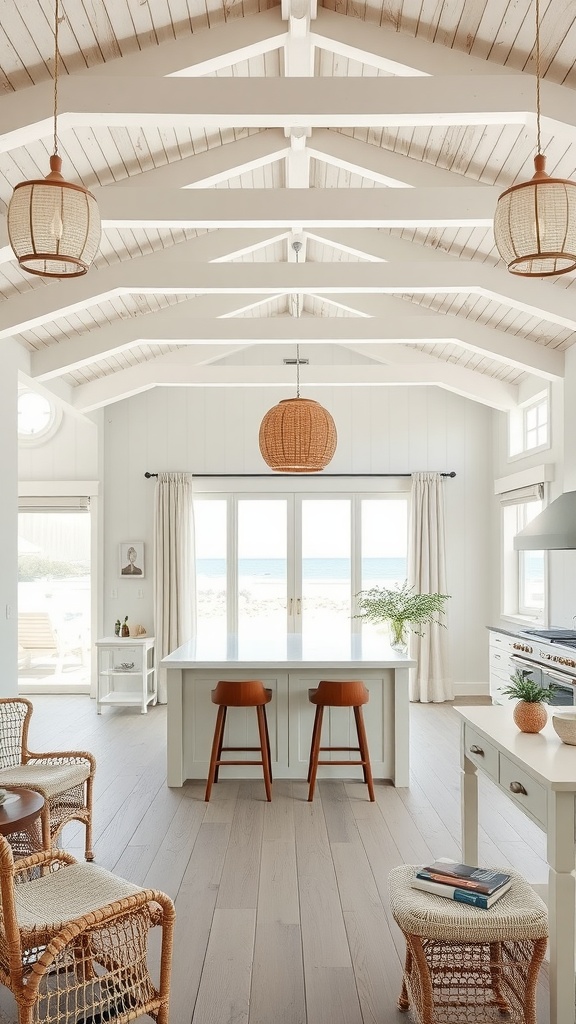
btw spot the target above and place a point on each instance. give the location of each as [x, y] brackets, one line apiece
[282, 911]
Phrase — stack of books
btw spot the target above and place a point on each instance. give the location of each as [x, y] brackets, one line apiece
[479, 887]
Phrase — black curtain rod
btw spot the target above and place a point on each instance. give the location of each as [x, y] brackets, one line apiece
[325, 476]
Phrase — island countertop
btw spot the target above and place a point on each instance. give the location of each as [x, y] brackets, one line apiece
[288, 651]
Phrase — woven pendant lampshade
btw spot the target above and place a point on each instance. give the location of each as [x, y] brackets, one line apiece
[53, 225]
[535, 225]
[297, 436]
[535, 221]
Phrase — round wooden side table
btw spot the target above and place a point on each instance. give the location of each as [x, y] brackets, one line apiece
[18, 815]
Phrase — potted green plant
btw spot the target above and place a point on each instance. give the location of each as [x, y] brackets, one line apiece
[529, 713]
[400, 606]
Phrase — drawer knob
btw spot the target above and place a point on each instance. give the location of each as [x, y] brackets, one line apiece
[476, 750]
[517, 787]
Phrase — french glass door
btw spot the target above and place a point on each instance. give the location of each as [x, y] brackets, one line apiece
[268, 564]
[54, 599]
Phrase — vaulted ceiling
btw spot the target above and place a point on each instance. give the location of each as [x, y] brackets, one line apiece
[214, 135]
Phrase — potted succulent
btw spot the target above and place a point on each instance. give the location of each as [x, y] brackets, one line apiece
[401, 606]
[529, 714]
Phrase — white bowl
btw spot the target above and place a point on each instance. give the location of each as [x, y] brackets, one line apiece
[564, 723]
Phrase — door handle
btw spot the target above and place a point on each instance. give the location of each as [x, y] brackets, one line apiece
[291, 605]
[298, 604]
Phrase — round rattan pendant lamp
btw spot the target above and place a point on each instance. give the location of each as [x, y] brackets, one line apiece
[54, 225]
[535, 221]
[298, 435]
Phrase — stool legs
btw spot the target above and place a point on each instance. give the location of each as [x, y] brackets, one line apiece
[218, 747]
[315, 749]
[216, 750]
[364, 753]
[264, 741]
[421, 976]
[219, 754]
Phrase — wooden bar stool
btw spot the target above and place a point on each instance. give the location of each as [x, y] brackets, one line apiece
[249, 693]
[348, 694]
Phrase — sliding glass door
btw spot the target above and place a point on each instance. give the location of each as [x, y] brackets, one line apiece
[267, 564]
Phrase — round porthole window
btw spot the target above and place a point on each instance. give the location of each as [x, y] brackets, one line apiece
[38, 417]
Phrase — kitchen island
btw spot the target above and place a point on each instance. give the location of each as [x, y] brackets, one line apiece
[288, 665]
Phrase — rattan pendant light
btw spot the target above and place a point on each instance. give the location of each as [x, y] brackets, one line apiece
[298, 435]
[535, 221]
[54, 225]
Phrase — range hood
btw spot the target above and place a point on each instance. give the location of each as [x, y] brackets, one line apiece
[554, 529]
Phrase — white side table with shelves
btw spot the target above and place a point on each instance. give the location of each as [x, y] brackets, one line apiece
[126, 672]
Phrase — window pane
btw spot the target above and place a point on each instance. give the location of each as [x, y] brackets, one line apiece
[523, 570]
[54, 597]
[384, 541]
[531, 598]
[210, 539]
[530, 567]
[326, 566]
[262, 567]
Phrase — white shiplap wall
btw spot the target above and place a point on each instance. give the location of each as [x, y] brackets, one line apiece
[72, 454]
[383, 430]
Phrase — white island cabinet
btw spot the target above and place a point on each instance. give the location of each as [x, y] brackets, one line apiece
[289, 666]
[126, 672]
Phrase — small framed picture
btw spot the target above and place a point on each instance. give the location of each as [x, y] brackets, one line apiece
[132, 559]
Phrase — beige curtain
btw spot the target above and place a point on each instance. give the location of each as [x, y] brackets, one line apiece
[427, 572]
[174, 588]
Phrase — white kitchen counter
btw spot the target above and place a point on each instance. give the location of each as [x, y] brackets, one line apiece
[289, 666]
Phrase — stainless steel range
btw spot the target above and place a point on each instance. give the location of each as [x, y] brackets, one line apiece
[550, 657]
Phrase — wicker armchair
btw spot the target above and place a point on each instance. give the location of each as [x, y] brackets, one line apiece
[74, 942]
[63, 778]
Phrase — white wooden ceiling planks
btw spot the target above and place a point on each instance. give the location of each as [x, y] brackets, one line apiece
[94, 34]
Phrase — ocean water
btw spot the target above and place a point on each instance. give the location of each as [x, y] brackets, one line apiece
[273, 570]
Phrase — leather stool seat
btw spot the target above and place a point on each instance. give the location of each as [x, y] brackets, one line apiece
[246, 693]
[350, 693]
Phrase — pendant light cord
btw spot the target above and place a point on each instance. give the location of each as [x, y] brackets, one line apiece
[56, 58]
[296, 247]
[538, 71]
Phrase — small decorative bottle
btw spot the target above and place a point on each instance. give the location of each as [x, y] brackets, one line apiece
[117, 628]
[125, 631]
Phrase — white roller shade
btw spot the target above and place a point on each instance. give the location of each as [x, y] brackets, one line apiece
[535, 492]
[60, 503]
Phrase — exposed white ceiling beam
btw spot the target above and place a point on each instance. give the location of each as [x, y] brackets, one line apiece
[90, 347]
[204, 170]
[283, 208]
[298, 47]
[293, 208]
[378, 246]
[174, 325]
[381, 165]
[26, 115]
[541, 299]
[172, 372]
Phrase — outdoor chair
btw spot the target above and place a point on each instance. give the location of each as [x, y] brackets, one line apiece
[63, 778]
[74, 942]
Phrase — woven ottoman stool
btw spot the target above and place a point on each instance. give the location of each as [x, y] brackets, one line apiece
[465, 965]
